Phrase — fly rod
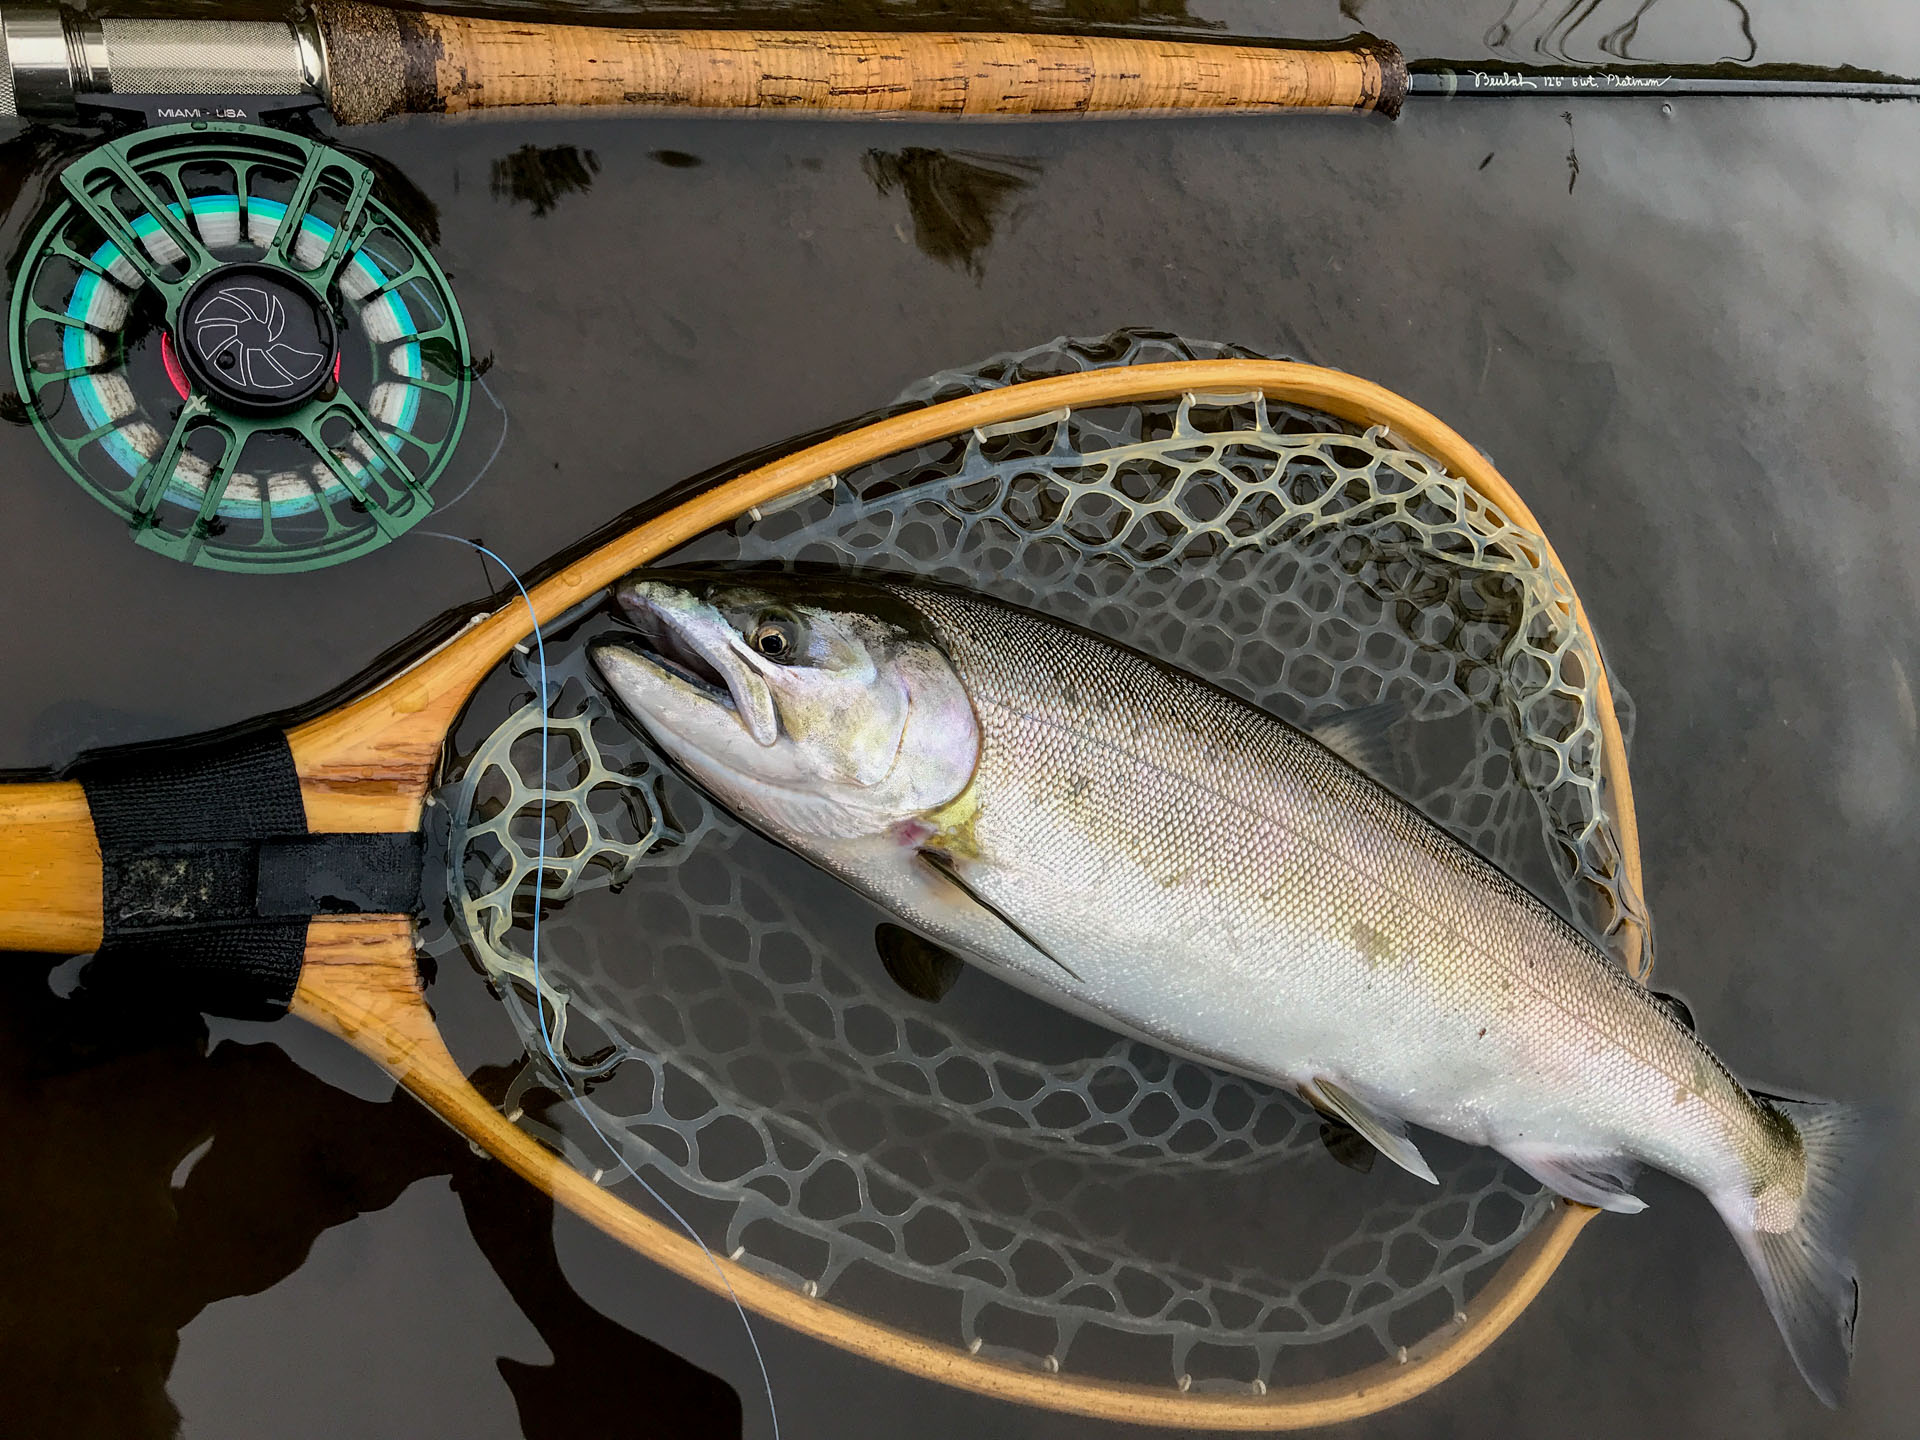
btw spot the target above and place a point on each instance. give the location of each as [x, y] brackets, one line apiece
[367, 62]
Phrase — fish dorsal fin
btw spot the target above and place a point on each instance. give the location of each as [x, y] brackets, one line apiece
[1602, 1181]
[942, 865]
[1361, 738]
[923, 969]
[1675, 1007]
[1345, 1144]
[1386, 1133]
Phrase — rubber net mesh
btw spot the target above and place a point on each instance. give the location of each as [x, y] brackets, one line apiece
[987, 1171]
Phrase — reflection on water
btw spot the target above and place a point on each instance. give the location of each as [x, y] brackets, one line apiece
[539, 175]
[956, 197]
[411, 205]
[24, 157]
[210, 1174]
[1563, 29]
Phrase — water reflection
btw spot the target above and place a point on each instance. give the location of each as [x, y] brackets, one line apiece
[411, 205]
[24, 157]
[1557, 28]
[540, 175]
[211, 1175]
[601, 1373]
[956, 197]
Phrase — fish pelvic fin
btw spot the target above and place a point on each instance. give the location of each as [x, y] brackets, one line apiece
[1386, 1133]
[1602, 1181]
[1805, 1268]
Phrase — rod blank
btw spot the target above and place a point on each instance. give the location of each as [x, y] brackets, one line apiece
[1494, 81]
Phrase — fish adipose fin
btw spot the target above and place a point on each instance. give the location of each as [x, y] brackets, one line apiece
[1385, 1133]
[1361, 738]
[921, 968]
[1806, 1270]
[942, 865]
[1602, 1181]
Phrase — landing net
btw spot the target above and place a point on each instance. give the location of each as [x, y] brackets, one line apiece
[987, 1172]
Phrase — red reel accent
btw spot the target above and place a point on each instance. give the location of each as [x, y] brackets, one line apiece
[172, 361]
[178, 375]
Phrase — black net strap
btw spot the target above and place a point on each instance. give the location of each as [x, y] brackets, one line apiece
[209, 873]
[240, 787]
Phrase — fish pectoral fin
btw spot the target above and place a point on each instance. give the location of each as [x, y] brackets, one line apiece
[1602, 1181]
[941, 864]
[1345, 1144]
[1386, 1133]
[923, 969]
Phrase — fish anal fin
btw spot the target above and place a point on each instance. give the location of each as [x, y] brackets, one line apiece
[1386, 1133]
[923, 969]
[942, 864]
[1602, 1181]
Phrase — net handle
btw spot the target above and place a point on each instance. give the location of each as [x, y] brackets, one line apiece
[50, 876]
[367, 765]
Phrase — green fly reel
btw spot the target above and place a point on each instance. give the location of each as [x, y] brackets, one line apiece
[230, 342]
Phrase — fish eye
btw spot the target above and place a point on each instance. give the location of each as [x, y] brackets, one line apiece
[775, 637]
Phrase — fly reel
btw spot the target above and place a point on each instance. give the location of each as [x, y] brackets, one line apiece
[228, 340]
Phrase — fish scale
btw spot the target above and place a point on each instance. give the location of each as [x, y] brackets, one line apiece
[1277, 836]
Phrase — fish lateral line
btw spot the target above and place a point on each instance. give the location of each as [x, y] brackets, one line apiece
[1290, 827]
[1405, 896]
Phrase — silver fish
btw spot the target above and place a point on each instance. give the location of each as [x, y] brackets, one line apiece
[1147, 851]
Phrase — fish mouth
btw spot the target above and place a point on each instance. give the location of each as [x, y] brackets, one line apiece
[690, 645]
[657, 641]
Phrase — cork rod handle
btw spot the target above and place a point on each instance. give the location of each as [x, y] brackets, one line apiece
[384, 62]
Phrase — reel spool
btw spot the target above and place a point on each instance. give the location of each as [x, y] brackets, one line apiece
[228, 340]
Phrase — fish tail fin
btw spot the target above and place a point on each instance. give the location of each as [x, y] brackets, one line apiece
[1800, 1245]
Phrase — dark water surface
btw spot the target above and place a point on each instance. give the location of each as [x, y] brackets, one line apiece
[1695, 360]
